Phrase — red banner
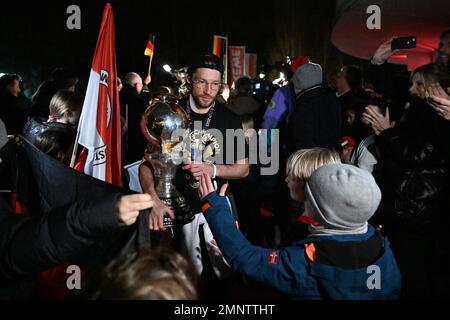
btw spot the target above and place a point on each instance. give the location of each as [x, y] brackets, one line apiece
[237, 62]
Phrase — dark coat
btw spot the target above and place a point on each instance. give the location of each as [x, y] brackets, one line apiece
[31, 244]
[413, 170]
[12, 112]
[35, 126]
[316, 121]
[134, 143]
[413, 175]
[77, 223]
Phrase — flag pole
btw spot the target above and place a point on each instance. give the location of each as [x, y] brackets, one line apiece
[75, 149]
[126, 124]
[151, 57]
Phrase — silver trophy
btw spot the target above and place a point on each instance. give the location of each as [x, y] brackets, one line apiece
[165, 152]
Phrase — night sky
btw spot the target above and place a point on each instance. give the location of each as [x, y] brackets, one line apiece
[35, 39]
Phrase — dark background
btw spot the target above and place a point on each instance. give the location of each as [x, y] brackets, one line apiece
[34, 38]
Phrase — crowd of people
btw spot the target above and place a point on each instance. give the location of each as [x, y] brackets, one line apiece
[359, 208]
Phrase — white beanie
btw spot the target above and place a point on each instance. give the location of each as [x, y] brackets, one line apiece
[307, 76]
[342, 198]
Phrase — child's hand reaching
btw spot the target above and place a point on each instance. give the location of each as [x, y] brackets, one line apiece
[206, 186]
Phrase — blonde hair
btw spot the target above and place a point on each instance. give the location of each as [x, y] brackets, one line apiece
[302, 163]
[67, 104]
[431, 73]
[148, 274]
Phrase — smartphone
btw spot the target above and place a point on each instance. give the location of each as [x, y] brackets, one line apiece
[403, 43]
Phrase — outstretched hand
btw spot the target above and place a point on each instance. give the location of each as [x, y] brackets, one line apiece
[439, 100]
[128, 207]
[378, 121]
[206, 186]
[384, 52]
[156, 219]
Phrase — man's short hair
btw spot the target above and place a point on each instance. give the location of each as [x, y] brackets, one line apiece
[8, 79]
[205, 60]
[243, 86]
[131, 79]
[353, 76]
[302, 163]
[381, 103]
[64, 78]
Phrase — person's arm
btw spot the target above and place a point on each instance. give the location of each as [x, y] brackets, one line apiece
[409, 149]
[159, 209]
[379, 72]
[145, 93]
[365, 159]
[395, 142]
[277, 268]
[238, 170]
[31, 244]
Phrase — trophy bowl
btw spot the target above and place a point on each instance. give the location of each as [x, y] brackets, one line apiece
[165, 152]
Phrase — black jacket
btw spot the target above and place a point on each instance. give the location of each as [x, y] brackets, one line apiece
[76, 222]
[392, 82]
[413, 171]
[34, 126]
[13, 112]
[134, 143]
[33, 243]
[316, 121]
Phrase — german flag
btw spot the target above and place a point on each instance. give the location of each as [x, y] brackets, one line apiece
[220, 46]
[149, 48]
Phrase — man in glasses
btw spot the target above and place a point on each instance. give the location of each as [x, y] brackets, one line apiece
[210, 146]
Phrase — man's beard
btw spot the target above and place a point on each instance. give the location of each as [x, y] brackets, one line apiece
[201, 104]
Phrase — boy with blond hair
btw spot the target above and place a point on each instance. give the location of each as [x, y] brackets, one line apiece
[342, 258]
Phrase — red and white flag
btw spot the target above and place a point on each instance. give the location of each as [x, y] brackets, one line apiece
[99, 130]
[237, 62]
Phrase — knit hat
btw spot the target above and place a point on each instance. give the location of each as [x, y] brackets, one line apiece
[205, 60]
[307, 76]
[298, 62]
[342, 198]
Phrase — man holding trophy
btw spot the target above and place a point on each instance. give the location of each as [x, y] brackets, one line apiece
[207, 121]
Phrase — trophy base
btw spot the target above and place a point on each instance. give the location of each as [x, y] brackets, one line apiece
[183, 213]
